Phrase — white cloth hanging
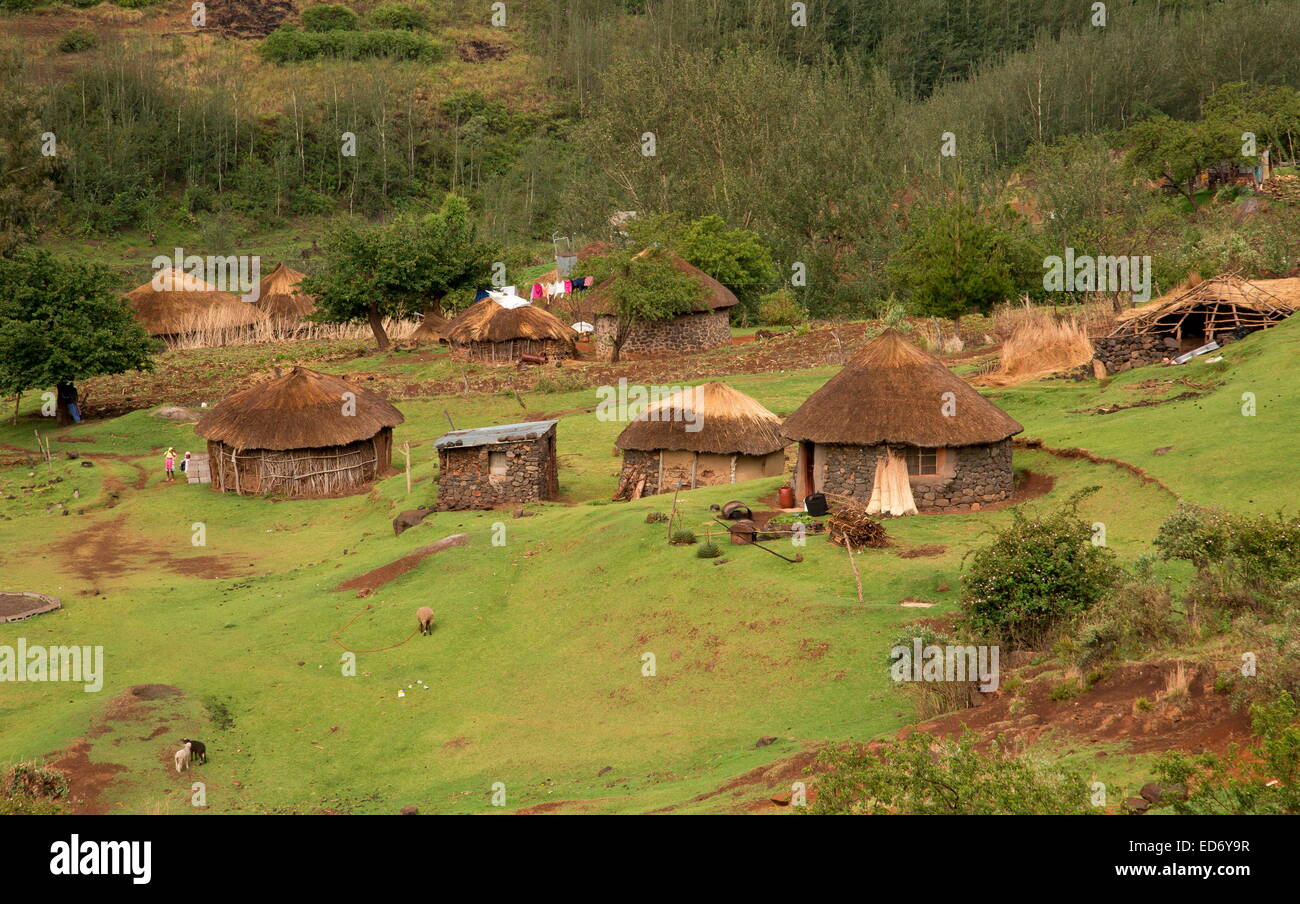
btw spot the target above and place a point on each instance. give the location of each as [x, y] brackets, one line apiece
[891, 493]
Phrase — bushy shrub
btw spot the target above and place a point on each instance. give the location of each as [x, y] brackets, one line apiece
[75, 40]
[1250, 559]
[398, 16]
[329, 17]
[683, 537]
[288, 44]
[708, 550]
[1036, 571]
[33, 789]
[923, 775]
[1135, 616]
[780, 309]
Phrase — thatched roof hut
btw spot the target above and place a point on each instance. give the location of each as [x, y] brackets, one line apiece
[699, 436]
[282, 300]
[432, 328]
[895, 401]
[498, 329]
[707, 325]
[1223, 304]
[188, 305]
[301, 433]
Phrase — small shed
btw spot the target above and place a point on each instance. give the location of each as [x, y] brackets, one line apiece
[699, 436]
[491, 466]
[300, 434]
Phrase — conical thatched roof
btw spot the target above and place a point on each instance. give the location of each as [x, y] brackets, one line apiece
[713, 294]
[191, 304]
[280, 297]
[487, 321]
[302, 409]
[1227, 301]
[729, 421]
[893, 392]
[432, 328]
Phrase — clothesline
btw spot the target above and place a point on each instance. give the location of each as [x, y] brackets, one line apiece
[539, 290]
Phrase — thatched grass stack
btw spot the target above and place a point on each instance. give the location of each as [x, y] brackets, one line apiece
[1042, 344]
[496, 334]
[189, 305]
[282, 300]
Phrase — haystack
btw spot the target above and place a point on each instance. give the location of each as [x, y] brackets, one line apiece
[189, 305]
[282, 300]
[1041, 344]
[894, 397]
[432, 328]
[707, 325]
[299, 434]
[700, 436]
[498, 329]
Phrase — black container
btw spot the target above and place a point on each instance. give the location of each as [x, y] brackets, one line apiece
[815, 504]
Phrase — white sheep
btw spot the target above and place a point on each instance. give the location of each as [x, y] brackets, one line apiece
[183, 757]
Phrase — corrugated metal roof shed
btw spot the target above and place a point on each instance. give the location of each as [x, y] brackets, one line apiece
[487, 436]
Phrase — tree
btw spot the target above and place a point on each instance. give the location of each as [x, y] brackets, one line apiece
[64, 321]
[397, 269]
[954, 261]
[647, 287]
[737, 258]
[1178, 151]
[26, 188]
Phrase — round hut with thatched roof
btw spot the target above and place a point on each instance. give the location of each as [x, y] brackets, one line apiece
[432, 328]
[707, 325]
[175, 303]
[282, 300]
[300, 434]
[501, 328]
[697, 437]
[898, 430]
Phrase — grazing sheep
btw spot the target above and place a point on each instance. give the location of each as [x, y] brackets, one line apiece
[183, 758]
[425, 615]
[198, 749]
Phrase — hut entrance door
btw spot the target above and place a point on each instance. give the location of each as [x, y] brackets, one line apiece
[807, 478]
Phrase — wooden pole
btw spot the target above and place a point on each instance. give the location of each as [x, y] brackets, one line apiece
[673, 516]
[406, 450]
[848, 545]
[448, 416]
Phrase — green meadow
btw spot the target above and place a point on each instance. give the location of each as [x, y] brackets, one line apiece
[534, 677]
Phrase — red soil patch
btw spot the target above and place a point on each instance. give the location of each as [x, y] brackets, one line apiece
[109, 549]
[378, 577]
[921, 552]
[1085, 455]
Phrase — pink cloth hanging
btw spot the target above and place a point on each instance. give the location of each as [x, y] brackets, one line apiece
[568, 285]
[537, 290]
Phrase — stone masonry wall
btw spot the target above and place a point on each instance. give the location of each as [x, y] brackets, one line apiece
[981, 474]
[1119, 353]
[687, 333]
[465, 481]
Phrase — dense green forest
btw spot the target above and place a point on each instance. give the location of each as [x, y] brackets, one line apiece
[825, 127]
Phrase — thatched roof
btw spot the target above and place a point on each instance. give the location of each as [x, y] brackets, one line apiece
[302, 409]
[487, 321]
[1285, 292]
[893, 392]
[729, 421]
[713, 295]
[191, 304]
[432, 328]
[280, 297]
[1227, 301]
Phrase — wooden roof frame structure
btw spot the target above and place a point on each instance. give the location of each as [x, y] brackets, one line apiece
[1257, 308]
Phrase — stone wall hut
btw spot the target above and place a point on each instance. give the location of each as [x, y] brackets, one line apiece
[187, 304]
[300, 434]
[701, 436]
[707, 326]
[500, 328]
[491, 466]
[282, 300]
[894, 405]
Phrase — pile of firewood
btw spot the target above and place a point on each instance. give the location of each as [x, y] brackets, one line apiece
[1282, 188]
[849, 521]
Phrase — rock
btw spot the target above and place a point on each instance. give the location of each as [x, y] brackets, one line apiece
[781, 800]
[177, 414]
[763, 742]
[1158, 792]
[605, 771]
[410, 810]
[410, 518]
[1136, 805]
[87, 464]
[1162, 450]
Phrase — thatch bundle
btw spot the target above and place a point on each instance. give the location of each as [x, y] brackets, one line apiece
[300, 434]
[1041, 344]
[893, 392]
[730, 422]
[1219, 305]
[282, 300]
[188, 305]
[493, 332]
[713, 295]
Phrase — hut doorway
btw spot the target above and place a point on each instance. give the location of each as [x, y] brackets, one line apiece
[807, 470]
